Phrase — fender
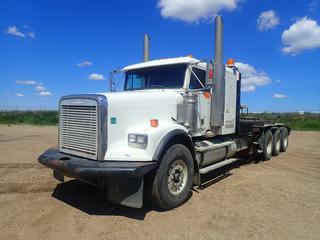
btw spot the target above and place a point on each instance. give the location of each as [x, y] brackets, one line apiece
[177, 134]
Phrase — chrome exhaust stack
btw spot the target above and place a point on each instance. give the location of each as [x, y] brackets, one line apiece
[146, 48]
[218, 88]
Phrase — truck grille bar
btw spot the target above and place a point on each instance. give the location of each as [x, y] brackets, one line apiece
[82, 131]
[79, 129]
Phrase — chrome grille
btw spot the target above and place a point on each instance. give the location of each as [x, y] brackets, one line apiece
[79, 128]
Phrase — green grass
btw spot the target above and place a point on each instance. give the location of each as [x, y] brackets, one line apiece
[306, 122]
[304, 125]
[29, 117]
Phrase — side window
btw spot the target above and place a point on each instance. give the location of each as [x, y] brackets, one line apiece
[194, 82]
[135, 81]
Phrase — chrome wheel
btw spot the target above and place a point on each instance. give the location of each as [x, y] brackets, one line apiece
[177, 176]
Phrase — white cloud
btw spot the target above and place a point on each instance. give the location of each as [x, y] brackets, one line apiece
[40, 88]
[267, 20]
[251, 77]
[27, 82]
[248, 88]
[304, 34]
[45, 93]
[31, 34]
[96, 76]
[13, 30]
[84, 64]
[195, 10]
[313, 5]
[279, 95]
[19, 94]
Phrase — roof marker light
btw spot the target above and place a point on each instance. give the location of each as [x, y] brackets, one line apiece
[230, 62]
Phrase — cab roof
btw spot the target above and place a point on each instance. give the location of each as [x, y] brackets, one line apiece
[162, 62]
[169, 61]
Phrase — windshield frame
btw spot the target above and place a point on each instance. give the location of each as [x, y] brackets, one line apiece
[183, 84]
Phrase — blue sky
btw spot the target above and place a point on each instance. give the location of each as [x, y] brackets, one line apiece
[53, 48]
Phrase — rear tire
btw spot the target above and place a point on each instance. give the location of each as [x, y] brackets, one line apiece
[173, 180]
[284, 139]
[267, 146]
[276, 142]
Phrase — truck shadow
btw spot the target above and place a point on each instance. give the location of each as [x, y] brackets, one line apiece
[92, 201]
[219, 174]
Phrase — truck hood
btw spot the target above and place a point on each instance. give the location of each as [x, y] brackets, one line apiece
[131, 112]
[143, 98]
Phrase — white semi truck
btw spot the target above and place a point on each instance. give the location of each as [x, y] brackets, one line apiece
[175, 120]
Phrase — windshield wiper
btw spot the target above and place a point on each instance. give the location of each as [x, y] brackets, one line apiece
[155, 86]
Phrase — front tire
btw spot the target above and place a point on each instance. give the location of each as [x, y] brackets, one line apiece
[173, 180]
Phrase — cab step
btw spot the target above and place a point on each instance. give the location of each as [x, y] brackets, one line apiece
[217, 165]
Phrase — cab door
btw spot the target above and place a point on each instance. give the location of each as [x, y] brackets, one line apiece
[197, 83]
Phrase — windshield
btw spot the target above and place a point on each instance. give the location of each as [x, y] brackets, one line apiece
[169, 76]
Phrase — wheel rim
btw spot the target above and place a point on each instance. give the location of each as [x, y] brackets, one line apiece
[177, 177]
[269, 145]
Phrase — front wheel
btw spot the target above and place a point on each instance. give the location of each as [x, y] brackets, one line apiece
[173, 180]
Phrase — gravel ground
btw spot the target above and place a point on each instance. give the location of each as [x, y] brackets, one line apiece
[277, 199]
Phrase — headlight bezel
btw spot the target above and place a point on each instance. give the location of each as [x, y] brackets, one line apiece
[138, 140]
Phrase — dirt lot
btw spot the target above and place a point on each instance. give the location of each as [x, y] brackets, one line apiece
[278, 199]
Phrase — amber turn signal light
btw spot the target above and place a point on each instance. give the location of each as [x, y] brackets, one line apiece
[207, 94]
[154, 123]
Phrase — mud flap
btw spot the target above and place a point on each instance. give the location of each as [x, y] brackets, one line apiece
[126, 191]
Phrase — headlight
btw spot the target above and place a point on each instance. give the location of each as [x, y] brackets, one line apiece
[132, 138]
[138, 138]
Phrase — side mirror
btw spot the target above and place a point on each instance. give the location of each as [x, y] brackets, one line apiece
[111, 81]
[209, 73]
[116, 77]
